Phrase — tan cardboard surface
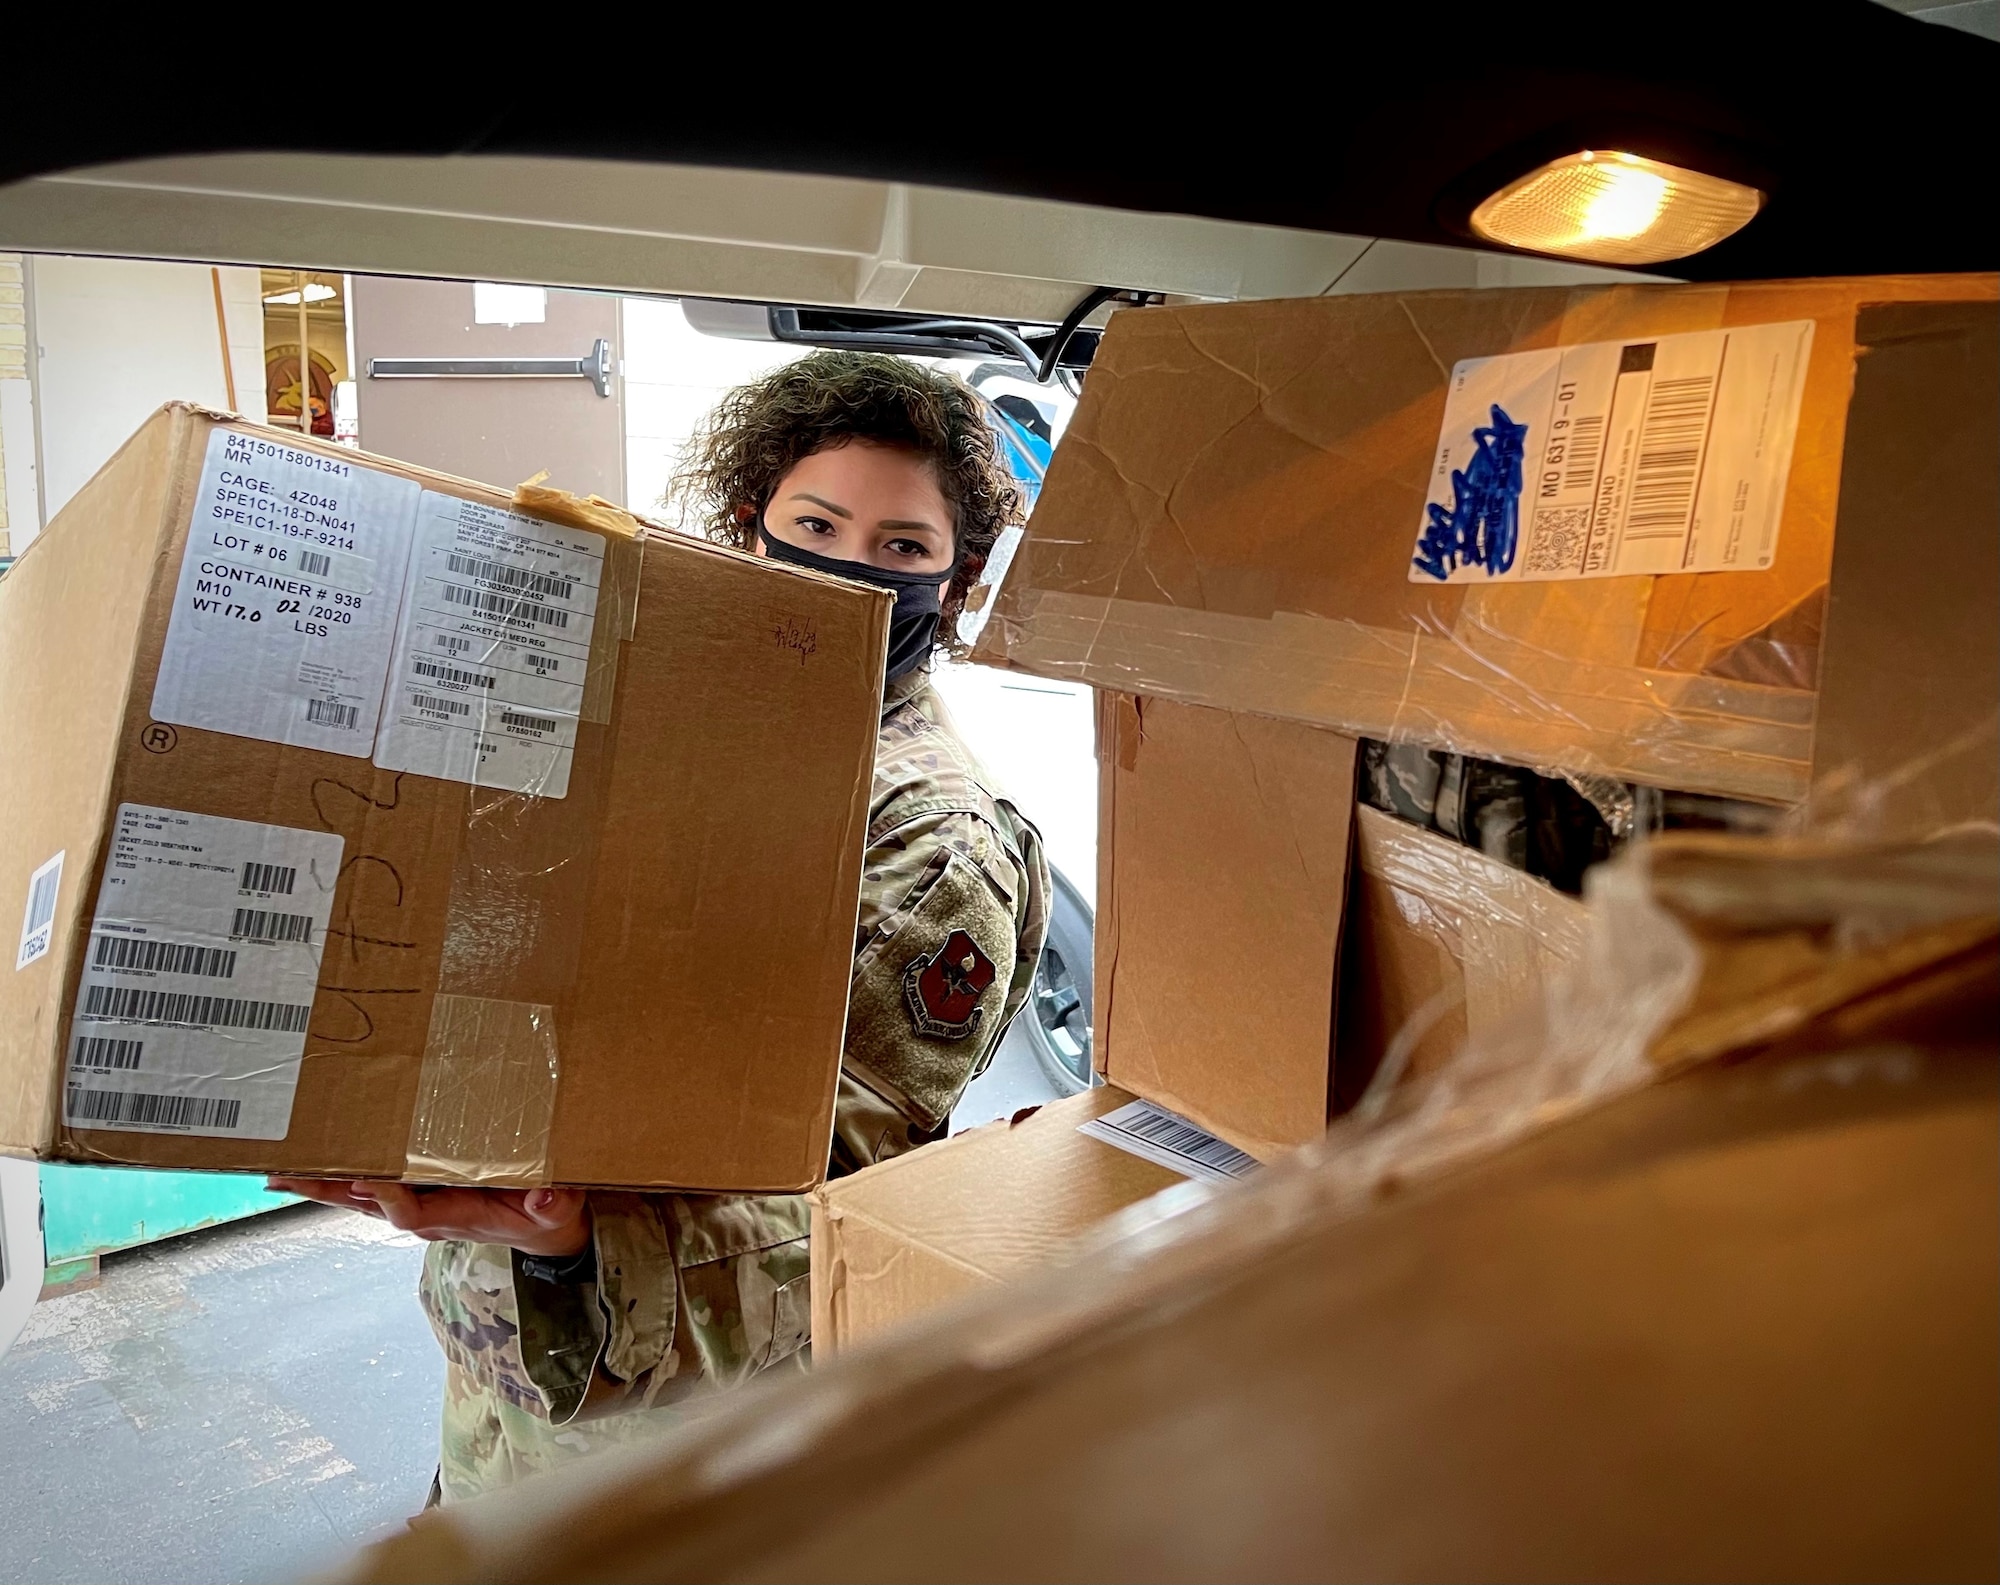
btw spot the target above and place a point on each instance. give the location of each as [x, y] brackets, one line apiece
[907, 1236]
[1230, 518]
[1223, 844]
[1910, 698]
[69, 626]
[1439, 933]
[643, 982]
[1735, 1326]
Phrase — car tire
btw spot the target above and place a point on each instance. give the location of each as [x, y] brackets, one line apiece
[1057, 1018]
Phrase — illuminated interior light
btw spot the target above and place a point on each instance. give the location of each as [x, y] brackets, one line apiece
[1613, 208]
[315, 293]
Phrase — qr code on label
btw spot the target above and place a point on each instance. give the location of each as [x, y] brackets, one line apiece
[1558, 540]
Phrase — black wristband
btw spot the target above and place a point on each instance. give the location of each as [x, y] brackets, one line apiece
[580, 1267]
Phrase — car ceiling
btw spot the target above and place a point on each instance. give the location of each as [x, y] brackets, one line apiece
[1868, 129]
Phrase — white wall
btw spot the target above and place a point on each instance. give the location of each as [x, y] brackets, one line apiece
[673, 376]
[115, 338]
[19, 462]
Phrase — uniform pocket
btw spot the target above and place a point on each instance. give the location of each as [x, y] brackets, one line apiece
[791, 1319]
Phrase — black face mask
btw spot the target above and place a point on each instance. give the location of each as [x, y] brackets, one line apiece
[913, 625]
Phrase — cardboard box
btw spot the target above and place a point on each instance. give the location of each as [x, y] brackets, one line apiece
[1442, 943]
[920, 1230]
[1234, 519]
[1734, 1325]
[260, 887]
[1261, 940]
[1909, 694]
[1222, 862]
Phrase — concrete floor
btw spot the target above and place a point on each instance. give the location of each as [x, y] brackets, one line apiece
[247, 1403]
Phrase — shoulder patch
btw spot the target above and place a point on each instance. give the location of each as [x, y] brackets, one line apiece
[943, 988]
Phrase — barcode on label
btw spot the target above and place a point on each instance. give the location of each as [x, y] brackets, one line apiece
[437, 671]
[1586, 440]
[42, 898]
[502, 605]
[258, 924]
[268, 878]
[1161, 1136]
[38, 920]
[102, 1051]
[452, 643]
[430, 701]
[158, 1111]
[545, 584]
[547, 665]
[330, 712]
[1670, 441]
[313, 564]
[527, 723]
[163, 957]
[133, 1005]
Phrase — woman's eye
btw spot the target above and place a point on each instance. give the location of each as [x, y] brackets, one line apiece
[815, 525]
[914, 549]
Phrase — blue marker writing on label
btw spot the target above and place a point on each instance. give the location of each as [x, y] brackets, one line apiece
[1483, 525]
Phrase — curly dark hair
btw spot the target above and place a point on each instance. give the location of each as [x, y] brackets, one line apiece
[759, 432]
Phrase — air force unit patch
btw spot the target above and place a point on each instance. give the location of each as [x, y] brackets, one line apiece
[943, 988]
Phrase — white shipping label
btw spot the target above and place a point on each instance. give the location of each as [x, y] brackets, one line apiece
[1616, 458]
[288, 594]
[487, 680]
[1169, 1140]
[204, 955]
[38, 922]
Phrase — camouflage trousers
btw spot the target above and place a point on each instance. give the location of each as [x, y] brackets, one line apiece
[485, 1441]
[704, 1294]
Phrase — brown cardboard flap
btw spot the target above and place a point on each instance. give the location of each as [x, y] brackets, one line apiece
[1909, 718]
[69, 631]
[1442, 944]
[1223, 862]
[903, 1238]
[1229, 521]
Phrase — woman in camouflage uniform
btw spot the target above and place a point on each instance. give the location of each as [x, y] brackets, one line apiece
[574, 1320]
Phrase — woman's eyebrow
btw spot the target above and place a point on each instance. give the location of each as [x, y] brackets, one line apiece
[901, 525]
[817, 500]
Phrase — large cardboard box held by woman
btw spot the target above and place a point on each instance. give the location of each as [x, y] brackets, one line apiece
[367, 822]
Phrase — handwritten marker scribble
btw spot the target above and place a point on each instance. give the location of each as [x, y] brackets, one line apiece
[1483, 526]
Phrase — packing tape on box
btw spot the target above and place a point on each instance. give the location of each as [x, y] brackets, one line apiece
[1508, 931]
[617, 595]
[486, 1095]
[1469, 689]
[486, 1091]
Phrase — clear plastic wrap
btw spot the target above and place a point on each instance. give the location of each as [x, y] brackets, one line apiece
[486, 1090]
[1230, 517]
[1442, 943]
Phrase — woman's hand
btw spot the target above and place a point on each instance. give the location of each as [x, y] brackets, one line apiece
[547, 1222]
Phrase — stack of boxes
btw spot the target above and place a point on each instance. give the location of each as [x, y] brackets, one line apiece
[1726, 541]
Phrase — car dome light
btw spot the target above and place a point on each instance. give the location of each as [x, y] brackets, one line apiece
[1613, 208]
